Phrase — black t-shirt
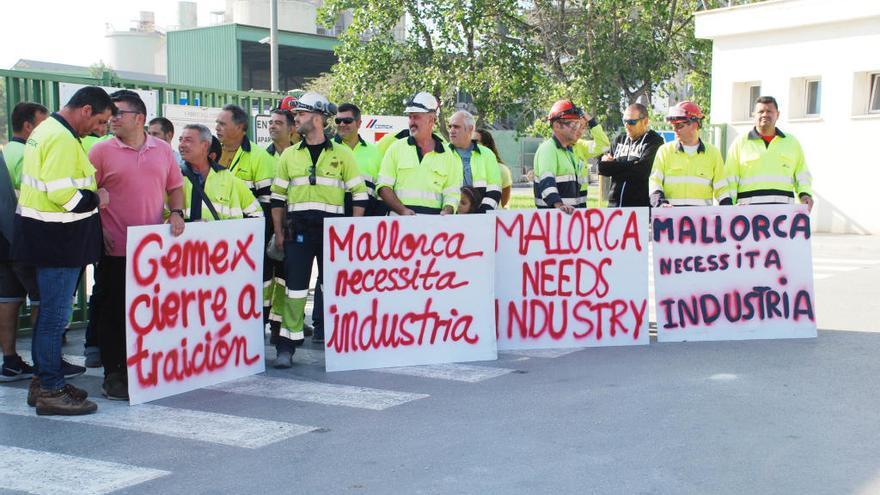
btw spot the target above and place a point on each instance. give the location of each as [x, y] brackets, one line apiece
[315, 150]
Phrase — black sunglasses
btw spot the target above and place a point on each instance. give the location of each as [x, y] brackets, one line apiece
[344, 120]
[631, 121]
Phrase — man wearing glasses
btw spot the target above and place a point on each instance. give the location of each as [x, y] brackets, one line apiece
[561, 172]
[310, 184]
[348, 122]
[687, 171]
[138, 170]
[629, 161]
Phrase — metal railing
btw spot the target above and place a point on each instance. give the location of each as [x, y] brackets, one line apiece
[43, 88]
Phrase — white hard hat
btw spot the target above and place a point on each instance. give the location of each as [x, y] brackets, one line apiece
[314, 102]
[421, 103]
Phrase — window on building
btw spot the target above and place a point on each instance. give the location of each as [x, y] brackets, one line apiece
[744, 96]
[813, 103]
[874, 101]
[754, 94]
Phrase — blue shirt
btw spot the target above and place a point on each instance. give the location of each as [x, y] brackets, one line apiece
[465, 155]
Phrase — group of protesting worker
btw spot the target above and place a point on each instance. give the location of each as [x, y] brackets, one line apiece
[69, 199]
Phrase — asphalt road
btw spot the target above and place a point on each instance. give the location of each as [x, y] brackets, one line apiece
[774, 417]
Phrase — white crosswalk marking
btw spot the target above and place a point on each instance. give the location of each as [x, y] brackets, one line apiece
[187, 424]
[450, 371]
[541, 353]
[317, 392]
[47, 473]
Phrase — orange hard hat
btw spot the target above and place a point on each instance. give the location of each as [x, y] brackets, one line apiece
[564, 109]
[287, 103]
[686, 110]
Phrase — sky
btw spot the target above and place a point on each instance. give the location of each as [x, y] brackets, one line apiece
[72, 32]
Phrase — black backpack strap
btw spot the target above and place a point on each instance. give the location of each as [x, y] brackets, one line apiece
[198, 186]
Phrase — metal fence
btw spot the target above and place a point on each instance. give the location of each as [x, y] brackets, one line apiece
[43, 88]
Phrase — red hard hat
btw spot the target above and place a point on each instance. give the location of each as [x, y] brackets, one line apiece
[686, 110]
[287, 103]
[566, 110]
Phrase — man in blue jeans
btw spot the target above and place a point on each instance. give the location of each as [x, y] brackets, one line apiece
[58, 230]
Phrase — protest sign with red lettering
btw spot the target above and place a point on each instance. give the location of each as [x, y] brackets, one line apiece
[733, 273]
[578, 280]
[402, 291]
[193, 306]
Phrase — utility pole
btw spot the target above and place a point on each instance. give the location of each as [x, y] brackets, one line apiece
[273, 45]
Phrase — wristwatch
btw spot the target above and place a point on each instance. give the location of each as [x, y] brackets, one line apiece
[178, 211]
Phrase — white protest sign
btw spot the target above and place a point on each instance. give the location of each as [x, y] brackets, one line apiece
[193, 306]
[374, 127]
[181, 115]
[578, 280]
[402, 291]
[261, 130]
[733, 273]
[149, 96]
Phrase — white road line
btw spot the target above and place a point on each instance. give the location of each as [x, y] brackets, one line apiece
[223, 429]
[317, 392]
[542, 353]
[48, 473]
[448, 371]
[846, 261]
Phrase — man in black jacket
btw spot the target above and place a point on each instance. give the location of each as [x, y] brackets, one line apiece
[630, 158]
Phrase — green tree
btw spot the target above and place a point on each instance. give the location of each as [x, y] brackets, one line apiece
[605, 53]
[477, 50]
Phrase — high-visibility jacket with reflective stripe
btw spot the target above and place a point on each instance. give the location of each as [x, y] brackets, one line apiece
[758, 173]
[687, 180]
[367, 157]
[335, 173]
[57, 221]
[231, 197]
[424, 186]
[256, 167]
[485, 173]
[13, 153]
[558, 175]
[585, 149]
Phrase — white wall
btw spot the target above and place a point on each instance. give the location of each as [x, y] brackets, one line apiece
[837, 41]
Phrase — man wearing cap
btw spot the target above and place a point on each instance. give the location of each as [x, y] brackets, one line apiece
[687, 171]
[629, 162]
[418, 174]
[283, 134]
[281, 128]
[561, 173]
[480, 168]
[311, 181]
[766, 165]
[348, 122]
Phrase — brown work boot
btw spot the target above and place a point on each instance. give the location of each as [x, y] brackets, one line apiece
[63, 402]
[34, 391]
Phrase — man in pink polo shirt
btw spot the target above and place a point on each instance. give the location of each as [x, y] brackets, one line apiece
[138, 170]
